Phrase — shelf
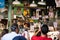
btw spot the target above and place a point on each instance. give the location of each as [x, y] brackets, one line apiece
[31, 7]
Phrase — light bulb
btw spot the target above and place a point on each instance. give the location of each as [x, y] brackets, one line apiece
[41, 2]
[16, 2]
[33, 4]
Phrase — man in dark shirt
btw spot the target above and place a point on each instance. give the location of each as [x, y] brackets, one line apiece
[19, 38]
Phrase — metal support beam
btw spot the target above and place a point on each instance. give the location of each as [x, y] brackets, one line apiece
[9, 12]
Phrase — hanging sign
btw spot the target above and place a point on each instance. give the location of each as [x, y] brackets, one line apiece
[2, 3]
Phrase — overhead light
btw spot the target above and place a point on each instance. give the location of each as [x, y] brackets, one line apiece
[33, 4]
[41, 2]
[16, 2]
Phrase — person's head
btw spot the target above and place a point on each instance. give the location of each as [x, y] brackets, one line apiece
[51, 9]
[18, 8]
[36, 28]
[25, 24]
[14, 21]
[34, 14]
[19, 18]
[37, 32]
[15, 28]
[44, 29]
[5, 31]
[27, 20]
[20, 22]
[31, 23]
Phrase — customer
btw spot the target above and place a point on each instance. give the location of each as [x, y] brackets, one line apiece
[5, 31]
[36, 35]
[26, 34]
[14, 33]
[21, 27]
[44, 31]
[19, 38]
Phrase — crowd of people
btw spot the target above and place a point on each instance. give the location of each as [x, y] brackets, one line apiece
[15, 35]
[28, 30]
[36, 27]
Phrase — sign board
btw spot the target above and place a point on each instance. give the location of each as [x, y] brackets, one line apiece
[2, 3]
